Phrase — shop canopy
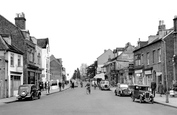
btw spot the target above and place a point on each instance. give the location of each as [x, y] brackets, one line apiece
[101, 75]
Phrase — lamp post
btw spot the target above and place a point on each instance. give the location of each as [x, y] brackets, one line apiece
[166, 78]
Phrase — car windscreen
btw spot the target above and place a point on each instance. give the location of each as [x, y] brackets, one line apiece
[123, 86]
[24, 88]
[143, 88]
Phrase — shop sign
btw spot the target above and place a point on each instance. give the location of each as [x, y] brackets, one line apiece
[147, 72]
[138, 71]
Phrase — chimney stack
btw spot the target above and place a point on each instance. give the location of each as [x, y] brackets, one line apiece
[175, 24]
[161, 26]
[20, 21]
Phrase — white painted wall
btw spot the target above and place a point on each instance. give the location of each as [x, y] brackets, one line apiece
[14, 68]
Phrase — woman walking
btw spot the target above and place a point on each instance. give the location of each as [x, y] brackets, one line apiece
[160, 89]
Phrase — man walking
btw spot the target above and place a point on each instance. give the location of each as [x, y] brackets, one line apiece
[153, 87]
[59, 85]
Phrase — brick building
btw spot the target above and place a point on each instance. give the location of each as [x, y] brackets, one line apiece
[55, 68]
[153, 60]
[22, 40]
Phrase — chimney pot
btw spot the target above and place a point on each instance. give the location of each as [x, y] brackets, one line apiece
[20, 20]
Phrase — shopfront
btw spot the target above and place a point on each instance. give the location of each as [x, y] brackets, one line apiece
[138, 77]
[148, 77]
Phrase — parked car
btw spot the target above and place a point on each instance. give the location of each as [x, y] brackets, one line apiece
[28, 91]
[104, 85]
[142, 93]
[131, 87]
[122, 89]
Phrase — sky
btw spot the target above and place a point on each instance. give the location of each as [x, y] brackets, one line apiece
[80, 30]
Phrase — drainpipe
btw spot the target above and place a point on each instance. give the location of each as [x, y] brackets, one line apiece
[166, 78]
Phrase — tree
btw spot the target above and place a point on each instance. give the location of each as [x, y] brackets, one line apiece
[78, 74]
[91, 70]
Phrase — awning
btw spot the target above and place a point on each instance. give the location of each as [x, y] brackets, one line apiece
[101, 75]
[158, 73]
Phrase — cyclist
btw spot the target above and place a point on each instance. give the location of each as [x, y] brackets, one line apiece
[88, 87]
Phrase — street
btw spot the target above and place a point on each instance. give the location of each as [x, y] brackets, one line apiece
[77, 102]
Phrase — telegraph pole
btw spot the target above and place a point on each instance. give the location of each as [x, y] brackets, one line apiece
[166, 77]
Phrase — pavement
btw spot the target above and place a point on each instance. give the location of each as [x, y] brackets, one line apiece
[172, 101]
[43, 93]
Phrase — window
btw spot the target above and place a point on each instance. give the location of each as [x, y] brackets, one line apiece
[38, 58]
[19, 60]
[159, 55]
[138, 59]
[142, 57]
[148, 58]
[12, 59]
[32, 54]
[153, 56]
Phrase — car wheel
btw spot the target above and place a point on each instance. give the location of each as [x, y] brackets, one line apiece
[152, 101]
[32, 97]
[133, 98]
[120, 94]
[115, 93]
[141, 100]
[39, 96]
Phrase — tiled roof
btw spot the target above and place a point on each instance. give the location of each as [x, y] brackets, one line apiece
[2, 45]
[5, 46]
[14, 49]
[42, 42]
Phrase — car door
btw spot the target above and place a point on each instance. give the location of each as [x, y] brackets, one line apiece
[136, 91]
[33, 89]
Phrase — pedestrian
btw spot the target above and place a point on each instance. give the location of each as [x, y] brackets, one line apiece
[81, 83]
[45, 85]
[40, 86]
[160, 89]
[63, 85]
[59, 84]
[88, 87]
[73, 84]
[95, 85]
[153, 87]
[48, 87]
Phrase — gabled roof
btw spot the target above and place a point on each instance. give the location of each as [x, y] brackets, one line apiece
[52, 58]
[42, 42]
[5, 46]
[104, 53]
[155, 41]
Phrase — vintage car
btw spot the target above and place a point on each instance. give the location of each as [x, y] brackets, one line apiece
[104, 85]
[142, 92]
[131, 87]
[122, 89]
[28, 91]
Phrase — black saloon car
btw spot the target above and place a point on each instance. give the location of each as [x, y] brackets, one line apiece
[142, 93]
[28, 91]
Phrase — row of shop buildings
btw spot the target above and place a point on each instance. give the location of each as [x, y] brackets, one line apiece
[24, 59]
[151, 60]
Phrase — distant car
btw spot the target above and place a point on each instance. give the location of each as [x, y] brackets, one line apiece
[28, 91]
[104, 85]
[122, 89]
[142, 93]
